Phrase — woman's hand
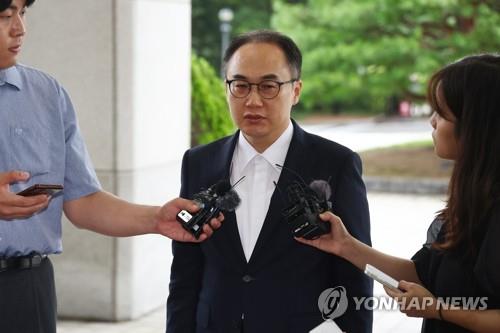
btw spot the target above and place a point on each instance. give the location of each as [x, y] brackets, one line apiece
[333, 242]
[414, 300]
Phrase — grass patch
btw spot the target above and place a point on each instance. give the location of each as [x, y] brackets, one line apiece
[413, 144]
[414, 159]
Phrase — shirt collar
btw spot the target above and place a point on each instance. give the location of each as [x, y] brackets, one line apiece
[11, 76]
[274, 154]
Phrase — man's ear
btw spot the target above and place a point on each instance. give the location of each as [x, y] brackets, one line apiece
[297, 89]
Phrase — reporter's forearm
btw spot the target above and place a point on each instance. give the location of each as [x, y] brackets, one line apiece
[360, 254]
[107, 214]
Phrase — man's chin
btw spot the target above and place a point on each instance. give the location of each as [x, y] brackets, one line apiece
[253, 131]
[254, 126]
[7, 64]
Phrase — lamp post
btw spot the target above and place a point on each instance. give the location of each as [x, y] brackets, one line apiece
[225, 17]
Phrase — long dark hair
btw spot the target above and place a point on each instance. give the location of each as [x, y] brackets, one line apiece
[471, 89]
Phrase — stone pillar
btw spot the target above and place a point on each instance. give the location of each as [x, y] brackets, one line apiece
[126, 65]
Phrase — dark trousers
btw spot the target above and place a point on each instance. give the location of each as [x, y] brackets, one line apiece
[28, 300]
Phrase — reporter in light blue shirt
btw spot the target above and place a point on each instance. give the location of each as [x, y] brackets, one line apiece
[40, 142]
[39, 135]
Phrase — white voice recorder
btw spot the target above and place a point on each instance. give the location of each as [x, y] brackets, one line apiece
[381, 277]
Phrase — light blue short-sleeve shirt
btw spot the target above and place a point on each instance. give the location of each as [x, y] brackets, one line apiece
[39, 134]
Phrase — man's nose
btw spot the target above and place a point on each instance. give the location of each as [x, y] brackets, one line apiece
[18, 27]
[253, 98]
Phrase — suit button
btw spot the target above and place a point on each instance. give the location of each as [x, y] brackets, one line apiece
[247, 278]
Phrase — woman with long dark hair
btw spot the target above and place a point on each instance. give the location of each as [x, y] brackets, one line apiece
[453, 282]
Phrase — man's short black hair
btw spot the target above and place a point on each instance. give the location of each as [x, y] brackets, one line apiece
[4, 4]
[285, 43]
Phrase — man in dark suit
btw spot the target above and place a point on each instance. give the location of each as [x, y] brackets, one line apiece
[252, 276]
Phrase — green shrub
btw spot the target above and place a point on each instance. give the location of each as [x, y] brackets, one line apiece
[210, 118]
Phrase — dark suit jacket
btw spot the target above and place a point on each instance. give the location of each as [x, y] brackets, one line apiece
[212, 285]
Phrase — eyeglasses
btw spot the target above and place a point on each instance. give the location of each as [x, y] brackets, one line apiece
[267, 89]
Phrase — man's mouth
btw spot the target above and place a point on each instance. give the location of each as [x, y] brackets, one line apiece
[253, 117]
[16, 48]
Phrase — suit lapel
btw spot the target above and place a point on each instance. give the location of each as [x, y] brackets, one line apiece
[294, 163]
[228, 237]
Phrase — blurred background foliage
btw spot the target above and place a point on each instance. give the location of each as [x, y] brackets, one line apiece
[206, 36]
[370, 54]
[210, 117]
[360, 56]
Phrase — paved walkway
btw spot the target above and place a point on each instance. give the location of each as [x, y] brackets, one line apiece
[394, 230]
[363, 134]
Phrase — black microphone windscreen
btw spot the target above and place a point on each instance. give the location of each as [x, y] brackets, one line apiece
[222, 187]
[228, 201]
[321, 188]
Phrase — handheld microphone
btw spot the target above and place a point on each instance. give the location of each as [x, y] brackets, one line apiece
[219, 197]
[307, 203]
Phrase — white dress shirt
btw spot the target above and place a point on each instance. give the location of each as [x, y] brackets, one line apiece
[257, 188]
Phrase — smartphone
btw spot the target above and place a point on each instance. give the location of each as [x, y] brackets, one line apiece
[381, 277]
[48, 189]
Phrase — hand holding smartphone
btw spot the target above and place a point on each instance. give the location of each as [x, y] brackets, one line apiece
[381, 277]
[37, 189]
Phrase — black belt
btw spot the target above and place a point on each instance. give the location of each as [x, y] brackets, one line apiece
[25, 262]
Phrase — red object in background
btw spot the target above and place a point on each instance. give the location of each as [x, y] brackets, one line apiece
[405, 109]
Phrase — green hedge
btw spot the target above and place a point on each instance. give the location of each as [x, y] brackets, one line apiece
[210, 118]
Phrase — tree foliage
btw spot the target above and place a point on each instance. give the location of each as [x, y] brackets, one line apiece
[206, 36]
[362, 53]
[210, 117]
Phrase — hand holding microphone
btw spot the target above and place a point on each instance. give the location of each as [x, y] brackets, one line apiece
[218, 198]
[337, 241]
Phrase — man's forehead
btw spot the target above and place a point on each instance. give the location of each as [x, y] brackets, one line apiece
[255, 74]
[269, 76]
[262, 49]
[258, 61]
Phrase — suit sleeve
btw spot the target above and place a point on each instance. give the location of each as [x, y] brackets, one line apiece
[350, 203]
[185, 274]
